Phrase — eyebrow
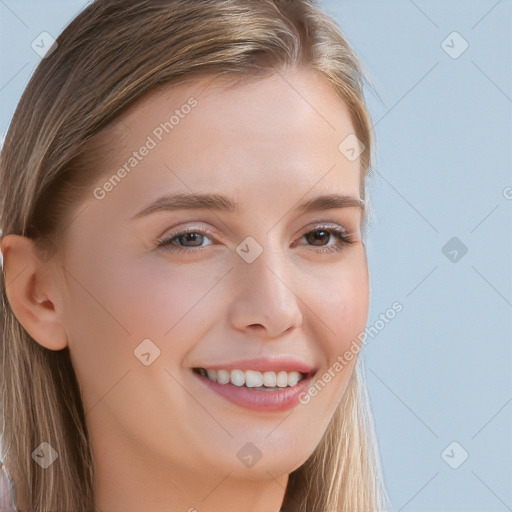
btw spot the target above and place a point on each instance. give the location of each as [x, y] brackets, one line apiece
[223, 203]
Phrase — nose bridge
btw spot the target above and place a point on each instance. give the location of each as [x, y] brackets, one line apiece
[265, 290]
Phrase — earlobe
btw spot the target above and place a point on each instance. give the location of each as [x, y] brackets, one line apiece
[31, 291]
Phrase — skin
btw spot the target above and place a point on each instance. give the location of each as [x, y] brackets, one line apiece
[161, 441]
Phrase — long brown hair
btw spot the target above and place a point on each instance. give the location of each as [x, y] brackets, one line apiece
[110, 55]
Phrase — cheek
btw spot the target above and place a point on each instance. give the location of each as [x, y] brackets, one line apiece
[345, 301]
[354, 300]
[162, 298]
[345, 305]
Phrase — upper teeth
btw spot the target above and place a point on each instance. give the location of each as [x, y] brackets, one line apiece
[253, 379]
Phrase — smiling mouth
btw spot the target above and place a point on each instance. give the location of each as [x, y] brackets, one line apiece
[260, 381]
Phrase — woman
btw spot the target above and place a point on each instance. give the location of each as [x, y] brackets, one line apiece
[185, 282]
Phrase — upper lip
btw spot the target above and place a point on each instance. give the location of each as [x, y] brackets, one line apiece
[263, 365]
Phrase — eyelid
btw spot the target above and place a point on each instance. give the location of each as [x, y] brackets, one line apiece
[186, 229]
[325, 224]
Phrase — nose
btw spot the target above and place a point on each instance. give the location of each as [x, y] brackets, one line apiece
[264, 296]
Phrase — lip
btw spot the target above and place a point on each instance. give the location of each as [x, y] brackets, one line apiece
[264, 365]
[261, 401]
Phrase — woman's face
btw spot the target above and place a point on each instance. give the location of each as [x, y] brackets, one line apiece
[264, 284]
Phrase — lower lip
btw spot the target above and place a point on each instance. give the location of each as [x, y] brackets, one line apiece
[264, 401]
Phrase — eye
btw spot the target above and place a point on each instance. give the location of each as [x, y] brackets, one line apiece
[191, 240]
[179, 241]
[323, 233]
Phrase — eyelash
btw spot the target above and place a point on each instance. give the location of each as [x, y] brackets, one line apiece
[340, 233]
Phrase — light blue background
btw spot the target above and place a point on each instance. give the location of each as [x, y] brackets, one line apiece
[441, 370]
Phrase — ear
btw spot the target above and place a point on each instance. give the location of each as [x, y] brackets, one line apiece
[31, 288]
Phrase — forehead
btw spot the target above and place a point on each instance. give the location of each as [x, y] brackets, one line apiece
[280, 132]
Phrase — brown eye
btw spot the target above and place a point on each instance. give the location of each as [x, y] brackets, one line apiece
[321, 235]
[318, 235]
